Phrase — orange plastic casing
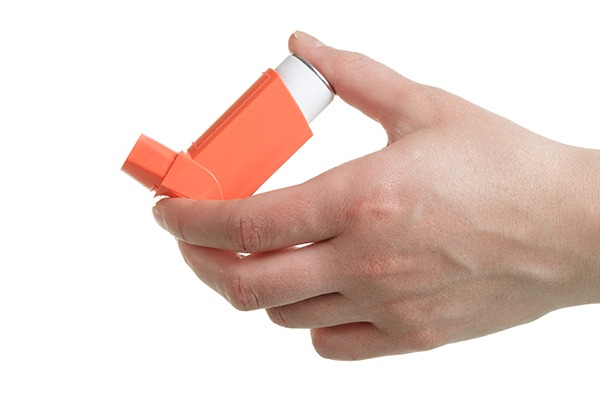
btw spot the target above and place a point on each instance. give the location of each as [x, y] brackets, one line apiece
[235, 156]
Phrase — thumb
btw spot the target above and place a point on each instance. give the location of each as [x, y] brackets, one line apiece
[398, 103]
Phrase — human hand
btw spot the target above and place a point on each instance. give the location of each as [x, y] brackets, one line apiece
[464, 225]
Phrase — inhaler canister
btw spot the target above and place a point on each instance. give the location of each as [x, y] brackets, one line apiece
[245, 146]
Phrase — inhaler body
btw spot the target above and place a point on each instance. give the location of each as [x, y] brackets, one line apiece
[245, 146]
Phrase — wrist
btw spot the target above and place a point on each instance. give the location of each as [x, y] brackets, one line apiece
[585, 201]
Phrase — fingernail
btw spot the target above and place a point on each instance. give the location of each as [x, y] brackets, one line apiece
[160, 220]
[308, 40]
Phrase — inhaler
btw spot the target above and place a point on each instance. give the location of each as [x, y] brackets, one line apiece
[245, 146]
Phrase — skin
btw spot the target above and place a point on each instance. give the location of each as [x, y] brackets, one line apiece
[464, 225]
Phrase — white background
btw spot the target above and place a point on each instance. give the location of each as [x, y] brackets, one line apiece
[95, 301]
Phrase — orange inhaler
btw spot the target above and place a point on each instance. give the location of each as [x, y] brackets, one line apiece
[245, 146]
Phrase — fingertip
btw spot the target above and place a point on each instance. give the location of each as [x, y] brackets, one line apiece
[166, 203]
[166, 209]
[157, 213]
[160, 203]
[299, 39]
[293, 42]
[160, 209]
[308, 47]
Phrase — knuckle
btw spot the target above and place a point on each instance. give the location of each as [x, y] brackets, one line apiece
[186, 252]
[240, 293]
[373, 203]
[353, 61]
[246, 233]
[181, 230]
[176, 226]
[416, 328]
[379, 270]
[423, 339]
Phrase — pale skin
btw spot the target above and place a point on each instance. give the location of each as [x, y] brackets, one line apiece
[464, 225]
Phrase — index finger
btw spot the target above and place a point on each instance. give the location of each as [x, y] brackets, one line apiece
[287, 217]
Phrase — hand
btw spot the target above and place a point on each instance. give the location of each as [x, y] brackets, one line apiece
[466, 224]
